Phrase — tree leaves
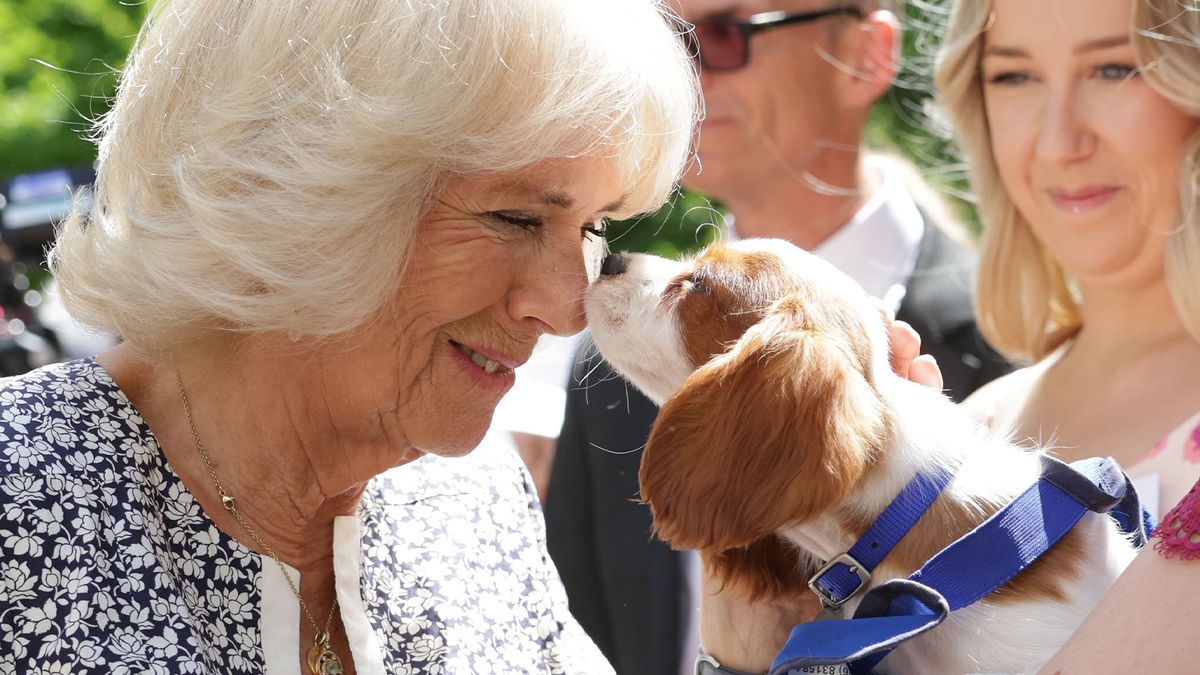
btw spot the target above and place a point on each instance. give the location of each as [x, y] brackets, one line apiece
[58, 64]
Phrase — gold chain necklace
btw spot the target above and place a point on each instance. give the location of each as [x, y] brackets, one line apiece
[321, 658]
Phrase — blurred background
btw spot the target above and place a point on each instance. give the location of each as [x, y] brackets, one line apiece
[59, 61]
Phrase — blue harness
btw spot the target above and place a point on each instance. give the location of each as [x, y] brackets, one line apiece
[964, 572]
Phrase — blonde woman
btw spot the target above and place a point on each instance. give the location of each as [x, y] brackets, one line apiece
[1079, 118]
[326, 232]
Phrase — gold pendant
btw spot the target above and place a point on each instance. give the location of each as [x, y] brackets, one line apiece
[322, 660]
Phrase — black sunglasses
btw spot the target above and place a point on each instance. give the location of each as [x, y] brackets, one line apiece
[723, 42]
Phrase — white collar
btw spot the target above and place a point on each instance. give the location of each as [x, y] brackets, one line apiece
[878, 248]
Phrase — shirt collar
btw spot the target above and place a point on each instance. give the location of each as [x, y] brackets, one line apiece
[878, 248]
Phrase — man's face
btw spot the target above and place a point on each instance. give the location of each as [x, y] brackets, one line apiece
[781, 107]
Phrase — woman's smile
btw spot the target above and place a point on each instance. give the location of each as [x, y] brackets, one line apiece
[489, 370]
[1083, 200]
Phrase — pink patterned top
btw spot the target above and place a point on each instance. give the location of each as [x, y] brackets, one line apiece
[1171, 466]
[1176, 459]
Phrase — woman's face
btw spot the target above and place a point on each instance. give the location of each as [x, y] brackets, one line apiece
[1088, 152]
[499, 260]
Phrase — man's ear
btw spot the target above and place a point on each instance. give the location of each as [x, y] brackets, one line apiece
[771, 433]
[869, 58]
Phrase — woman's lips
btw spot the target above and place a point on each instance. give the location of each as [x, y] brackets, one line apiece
[492, 371]
[1083, 200]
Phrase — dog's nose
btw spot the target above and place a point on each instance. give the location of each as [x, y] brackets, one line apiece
[614, 264]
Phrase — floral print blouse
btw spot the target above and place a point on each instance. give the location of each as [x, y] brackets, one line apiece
[1171, 467]
[109, 565]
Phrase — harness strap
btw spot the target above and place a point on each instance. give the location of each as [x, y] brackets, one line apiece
[976, 564]
[849, 574]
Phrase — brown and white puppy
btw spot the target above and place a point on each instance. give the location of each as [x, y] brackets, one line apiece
[784, 433]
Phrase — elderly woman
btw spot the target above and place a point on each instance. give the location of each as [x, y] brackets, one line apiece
[326, 232]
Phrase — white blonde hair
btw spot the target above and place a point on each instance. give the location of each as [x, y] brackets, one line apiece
[265, 163]
[1025, 302]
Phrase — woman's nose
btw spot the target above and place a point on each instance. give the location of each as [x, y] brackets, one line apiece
[1063, 133]
[549, 294]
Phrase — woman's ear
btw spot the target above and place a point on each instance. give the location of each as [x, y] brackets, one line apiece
[769, 434]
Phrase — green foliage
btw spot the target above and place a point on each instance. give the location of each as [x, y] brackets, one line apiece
[689, 221]
[58, 60]
[905, 122]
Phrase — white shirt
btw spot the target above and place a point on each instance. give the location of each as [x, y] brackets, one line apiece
[878, 248]
[538, 399]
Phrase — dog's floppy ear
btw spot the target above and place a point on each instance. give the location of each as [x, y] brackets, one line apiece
[770, 567]
[769, 434]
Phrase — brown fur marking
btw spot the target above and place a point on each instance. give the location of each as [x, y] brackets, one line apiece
[770, 434]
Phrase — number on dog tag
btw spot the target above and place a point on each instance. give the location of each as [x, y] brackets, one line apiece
[835, 669]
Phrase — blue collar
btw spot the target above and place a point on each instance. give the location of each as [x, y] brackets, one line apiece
[847, 575]
[976, 564]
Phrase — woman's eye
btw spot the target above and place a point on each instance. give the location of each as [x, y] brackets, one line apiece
[596, 230]
[518, 219]
[1116, 71]
[1008, 79]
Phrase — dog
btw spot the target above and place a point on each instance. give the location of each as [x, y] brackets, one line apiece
[783, 434]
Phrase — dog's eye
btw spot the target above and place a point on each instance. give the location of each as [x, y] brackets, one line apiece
[685, 285]
[696, 284]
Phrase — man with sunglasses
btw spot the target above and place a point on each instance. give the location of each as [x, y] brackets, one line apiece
[788, 85]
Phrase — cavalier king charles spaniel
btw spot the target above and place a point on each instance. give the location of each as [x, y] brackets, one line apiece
[784, 433]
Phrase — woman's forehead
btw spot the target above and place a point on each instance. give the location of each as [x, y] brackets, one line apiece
[1072, 24]
[565, 184]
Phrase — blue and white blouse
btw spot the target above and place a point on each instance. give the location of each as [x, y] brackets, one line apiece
[109, 565]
